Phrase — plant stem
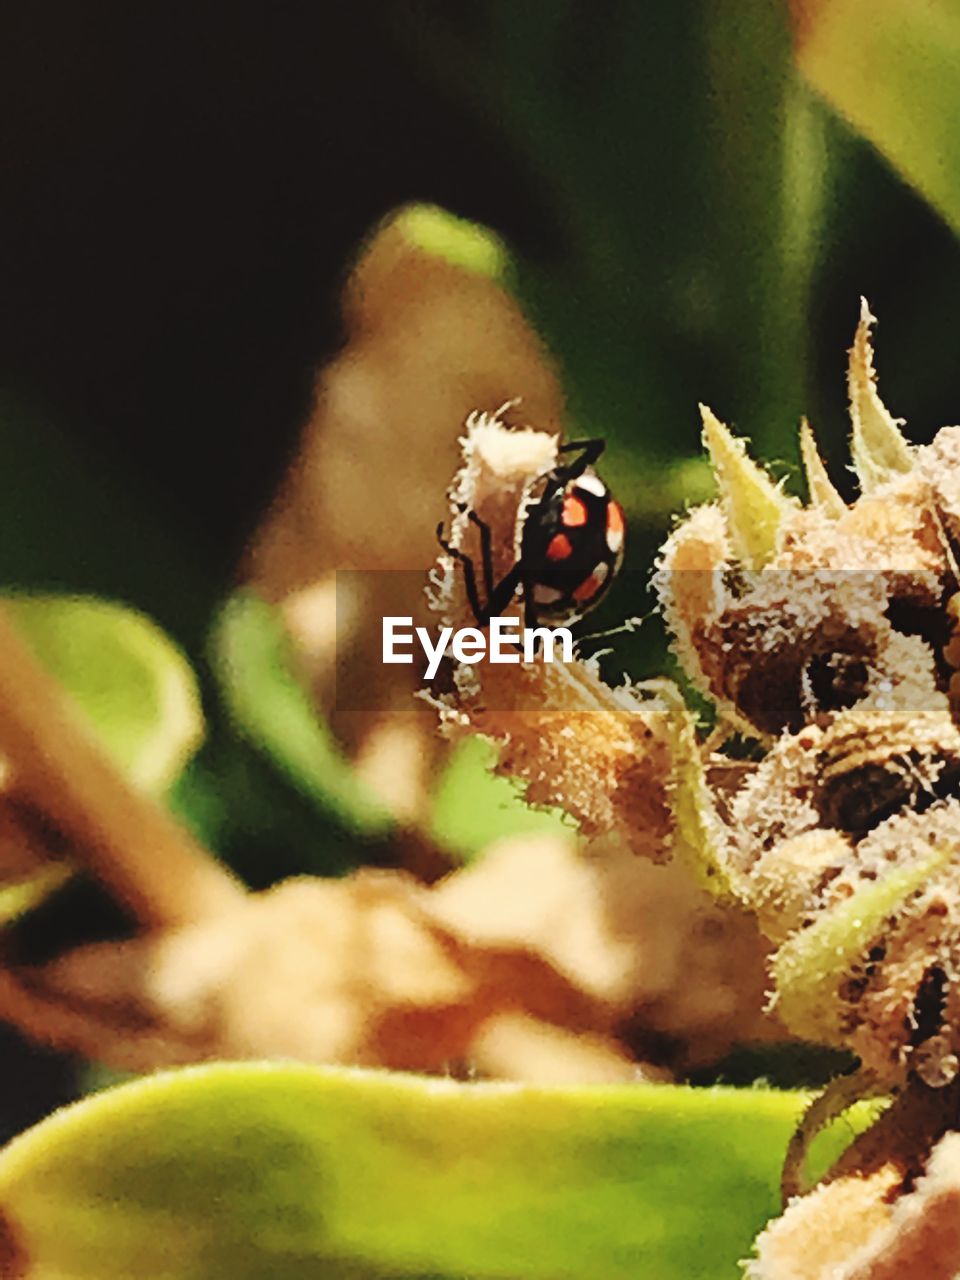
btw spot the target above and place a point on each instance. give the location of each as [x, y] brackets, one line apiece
[155, 867]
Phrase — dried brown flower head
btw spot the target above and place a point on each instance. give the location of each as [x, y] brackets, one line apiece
[821, 631]
[826, 632]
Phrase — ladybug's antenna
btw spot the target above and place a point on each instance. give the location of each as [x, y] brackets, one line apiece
[630, 626]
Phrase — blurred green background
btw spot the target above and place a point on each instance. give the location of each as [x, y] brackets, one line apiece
[185, 188]
[688, 219]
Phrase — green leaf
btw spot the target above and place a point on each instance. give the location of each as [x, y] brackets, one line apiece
[754, 506]
[21, 896]
[254, 662]
[293, 1172]
[681, 168]
[270, 708]
[810, 966]
[130, 681]
[473, 807]
[455, 240]
[890, 67]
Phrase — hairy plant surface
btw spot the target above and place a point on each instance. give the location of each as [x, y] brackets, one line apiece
[823, 633]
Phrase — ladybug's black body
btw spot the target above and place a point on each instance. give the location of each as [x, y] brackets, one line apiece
[571, 546]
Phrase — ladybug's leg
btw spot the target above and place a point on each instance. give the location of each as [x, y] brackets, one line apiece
[469, 578]
[497, 599]
[590, 451]
[499, 594]
[529, 605]
[503, 593]
[486, 551]
[564, 472]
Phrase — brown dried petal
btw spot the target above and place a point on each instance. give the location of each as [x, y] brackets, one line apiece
[376, 969]
[821, 1230]
[869, 1227]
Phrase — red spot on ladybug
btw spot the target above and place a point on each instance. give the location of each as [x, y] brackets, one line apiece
[591, 586]
[559, 547]
[615, 525]
[574, 511]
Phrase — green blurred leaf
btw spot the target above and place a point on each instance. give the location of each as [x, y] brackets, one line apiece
[289, 1172]
[21, 896]
[890, 67]
[457, 241]
[134, 686]
[235, 799]
[684, 166]
[253, 659]
[473, 807]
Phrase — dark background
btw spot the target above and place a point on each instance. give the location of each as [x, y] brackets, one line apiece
[184, 185]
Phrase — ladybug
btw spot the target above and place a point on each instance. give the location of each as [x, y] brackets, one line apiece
[571, 546]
